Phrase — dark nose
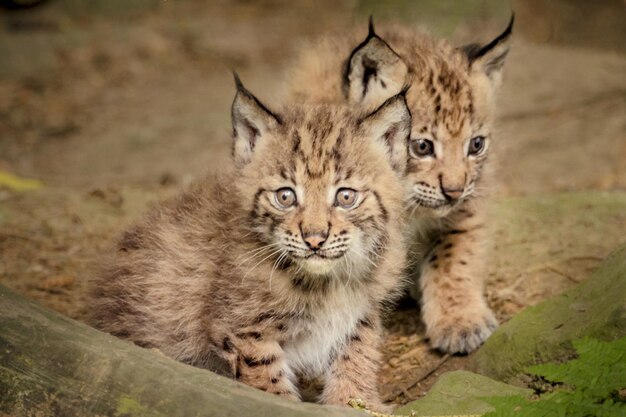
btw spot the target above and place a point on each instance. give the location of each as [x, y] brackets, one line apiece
[452, 194]
[315, 240]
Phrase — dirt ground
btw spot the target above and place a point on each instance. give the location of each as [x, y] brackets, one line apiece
[112, 107]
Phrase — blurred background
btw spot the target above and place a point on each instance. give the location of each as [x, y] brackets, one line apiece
[108, 105]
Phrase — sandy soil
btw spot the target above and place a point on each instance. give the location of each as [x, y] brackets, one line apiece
[116, 109]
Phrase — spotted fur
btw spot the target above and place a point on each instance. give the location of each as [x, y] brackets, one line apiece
[451, 95]
[221, 277]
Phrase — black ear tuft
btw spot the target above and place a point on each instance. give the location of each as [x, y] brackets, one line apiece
[238, 83]
[489, 58]
[251, 120]
[475, 51]
[371, 32]
[243, 91]
[373, 70]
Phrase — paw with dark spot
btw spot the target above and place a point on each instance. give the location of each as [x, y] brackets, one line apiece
[462, 331]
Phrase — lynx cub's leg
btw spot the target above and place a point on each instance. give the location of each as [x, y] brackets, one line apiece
[454, 309]
[353, 372]
[261, 364]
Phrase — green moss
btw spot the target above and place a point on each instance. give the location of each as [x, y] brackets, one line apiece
[544, 333]
[461, 393]
[130, 407]
[547, 331]
[592, 383]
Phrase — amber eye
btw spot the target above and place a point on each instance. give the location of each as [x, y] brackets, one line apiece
[421, 148]
[285, 198]
[346, 198]
[476, 145]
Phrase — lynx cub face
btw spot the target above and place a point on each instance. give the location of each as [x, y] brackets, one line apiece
[315, 197]
[276, 273]
[451, 96]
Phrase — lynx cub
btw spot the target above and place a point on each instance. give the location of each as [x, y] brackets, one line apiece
[282, 266]
[451, 94]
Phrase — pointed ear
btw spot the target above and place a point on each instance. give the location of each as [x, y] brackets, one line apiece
[390, 126]
[489, 59]
[251, 122]
[373, 70]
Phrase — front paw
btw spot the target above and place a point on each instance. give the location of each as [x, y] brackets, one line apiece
[461, 331]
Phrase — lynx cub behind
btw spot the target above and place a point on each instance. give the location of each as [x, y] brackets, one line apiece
[281, 267]
[451, 96]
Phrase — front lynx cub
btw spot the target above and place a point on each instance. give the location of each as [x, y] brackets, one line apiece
[451, 95]
[282, 266]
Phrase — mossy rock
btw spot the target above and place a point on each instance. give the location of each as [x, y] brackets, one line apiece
[461, 393]
[51, 366]
[544, 333]
[540, 334]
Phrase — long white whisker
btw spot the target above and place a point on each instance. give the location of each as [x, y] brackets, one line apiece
[258, 263]
[276, 263]
[300, 266]
[255, 252]
[262, 247]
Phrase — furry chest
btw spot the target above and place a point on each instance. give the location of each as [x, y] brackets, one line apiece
[309, 349]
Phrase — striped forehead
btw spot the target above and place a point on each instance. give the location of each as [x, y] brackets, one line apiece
[441, 98]
[318, 145]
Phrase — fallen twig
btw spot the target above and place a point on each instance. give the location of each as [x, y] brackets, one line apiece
[563, 274]
[405, 390]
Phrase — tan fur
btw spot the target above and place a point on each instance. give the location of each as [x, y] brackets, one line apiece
[452, 100]
[220, 272]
